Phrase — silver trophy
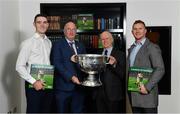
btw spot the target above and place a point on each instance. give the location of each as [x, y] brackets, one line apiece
[91, 64]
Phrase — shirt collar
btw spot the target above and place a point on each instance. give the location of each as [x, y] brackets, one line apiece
[69, 41]
[142, 41]
[108, 49]
[37, 35]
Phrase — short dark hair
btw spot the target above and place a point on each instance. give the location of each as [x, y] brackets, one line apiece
[39, 15]
[70, 20]
[139, 21]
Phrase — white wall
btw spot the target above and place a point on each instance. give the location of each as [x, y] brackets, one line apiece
[153, 12]
[10, 86]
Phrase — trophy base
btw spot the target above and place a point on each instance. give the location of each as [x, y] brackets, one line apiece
[91, 83]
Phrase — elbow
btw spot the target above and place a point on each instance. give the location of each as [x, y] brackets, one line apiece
[162, 71]
[17, 68]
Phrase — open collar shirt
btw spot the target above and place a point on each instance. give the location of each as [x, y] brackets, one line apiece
[135, 50]
[35, 50]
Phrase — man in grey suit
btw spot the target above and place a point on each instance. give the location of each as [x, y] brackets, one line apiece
[143, 53]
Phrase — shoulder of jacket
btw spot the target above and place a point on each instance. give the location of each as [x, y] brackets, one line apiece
[60, 41]
[152, 45]
[118, 52]
[77, 42]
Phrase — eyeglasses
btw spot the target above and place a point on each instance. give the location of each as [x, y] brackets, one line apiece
[70, 30]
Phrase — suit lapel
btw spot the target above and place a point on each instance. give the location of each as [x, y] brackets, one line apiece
[113, 52]
[129, 51]
[77, 47]
[141, 50]
[66, 46]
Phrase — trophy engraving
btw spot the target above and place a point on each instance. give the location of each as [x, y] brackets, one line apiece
[92, 64]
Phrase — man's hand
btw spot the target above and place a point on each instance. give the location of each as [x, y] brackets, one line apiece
[74, 58]
[112, 60]
[38, 85]
[143, 90]
[75, 80]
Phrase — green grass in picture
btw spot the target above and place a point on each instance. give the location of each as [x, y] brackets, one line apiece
[132, 83]
[48, 81]
[85, 26]
[132, 86]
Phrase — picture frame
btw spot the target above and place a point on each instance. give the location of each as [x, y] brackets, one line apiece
[161, 35]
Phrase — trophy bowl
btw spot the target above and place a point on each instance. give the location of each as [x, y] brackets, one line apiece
[91, 64]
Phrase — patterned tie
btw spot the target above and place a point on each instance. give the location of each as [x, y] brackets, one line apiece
[71, 46]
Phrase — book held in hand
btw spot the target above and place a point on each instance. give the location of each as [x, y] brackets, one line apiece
[44, 73]
[137, 77]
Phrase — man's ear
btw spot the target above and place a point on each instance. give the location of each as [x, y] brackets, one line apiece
[34, 24]
[145, 30]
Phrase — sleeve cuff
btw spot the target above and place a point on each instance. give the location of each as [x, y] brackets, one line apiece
[32, 80]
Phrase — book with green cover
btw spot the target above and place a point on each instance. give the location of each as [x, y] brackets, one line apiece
[138, 76]
[44, 73]
[85, 22]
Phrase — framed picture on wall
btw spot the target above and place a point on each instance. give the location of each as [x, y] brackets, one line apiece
[161, 35]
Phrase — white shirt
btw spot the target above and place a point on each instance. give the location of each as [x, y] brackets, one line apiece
[108, 51]
[35, 50]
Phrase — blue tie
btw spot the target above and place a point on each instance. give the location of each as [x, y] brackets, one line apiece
[105, 52]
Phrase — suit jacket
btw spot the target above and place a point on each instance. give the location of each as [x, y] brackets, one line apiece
[64, 67]
[113, 78]
[149, 56]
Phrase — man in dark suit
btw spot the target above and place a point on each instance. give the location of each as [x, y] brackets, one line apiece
[145, 54]
[68, 93]
[111, 95]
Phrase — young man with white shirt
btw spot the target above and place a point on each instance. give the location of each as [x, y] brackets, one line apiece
[35, 50]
